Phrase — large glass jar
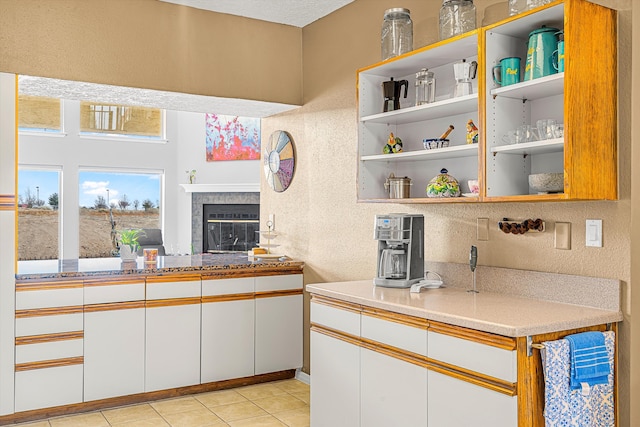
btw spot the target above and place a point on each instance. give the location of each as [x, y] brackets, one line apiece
[397, 33]
[456, 17]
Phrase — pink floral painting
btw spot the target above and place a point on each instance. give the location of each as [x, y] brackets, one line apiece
[232, 138]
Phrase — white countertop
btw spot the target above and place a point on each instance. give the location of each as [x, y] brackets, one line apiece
[497, 313]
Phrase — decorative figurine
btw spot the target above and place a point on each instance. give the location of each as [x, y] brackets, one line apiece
[192, 176]
[393, 145]
[472, 133]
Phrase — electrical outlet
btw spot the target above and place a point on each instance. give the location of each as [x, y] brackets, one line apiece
[272, 219]
[562, 235]
[593, 233]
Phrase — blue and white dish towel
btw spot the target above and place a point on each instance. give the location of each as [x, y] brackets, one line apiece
[569, 406]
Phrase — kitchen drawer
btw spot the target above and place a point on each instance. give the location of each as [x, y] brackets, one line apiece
[39, 325]
[157, 288]
[43, 298]
[117, 292]
[27, 353]
[335, 318]
[402, 336]
[243, 285]
[48, 387]
[275, 283]
[485, 359]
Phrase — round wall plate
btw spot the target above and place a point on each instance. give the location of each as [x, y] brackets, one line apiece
[279, 161]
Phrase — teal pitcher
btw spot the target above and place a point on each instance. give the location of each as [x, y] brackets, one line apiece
[542, 44]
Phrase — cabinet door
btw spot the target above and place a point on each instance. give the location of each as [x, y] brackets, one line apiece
[393, 392]
[335, 382]
[227, 340]
[457, 403]
[113, 353]
[48, 387]
[278, 336]
[172, 342]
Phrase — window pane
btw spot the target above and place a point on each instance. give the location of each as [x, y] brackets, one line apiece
[37, 113]
[120, 120]
[38, 214]
[113, 201]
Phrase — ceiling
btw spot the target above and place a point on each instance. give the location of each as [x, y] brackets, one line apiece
[290, 12]
[297, 13]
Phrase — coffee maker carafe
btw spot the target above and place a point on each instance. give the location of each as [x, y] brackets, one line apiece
[391, 90]
[400, 250]
[464, 72]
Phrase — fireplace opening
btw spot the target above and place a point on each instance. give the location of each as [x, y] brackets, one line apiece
[230, 227]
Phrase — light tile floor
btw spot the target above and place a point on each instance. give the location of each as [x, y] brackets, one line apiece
[279, 403]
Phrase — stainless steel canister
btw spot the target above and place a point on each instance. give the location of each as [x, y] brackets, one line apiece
[398, 187]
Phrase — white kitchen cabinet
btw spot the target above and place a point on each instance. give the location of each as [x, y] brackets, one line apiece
[172, 337]
[228, 329]
[278, 322]
[456, 403]
[335, 366]
[48, 387]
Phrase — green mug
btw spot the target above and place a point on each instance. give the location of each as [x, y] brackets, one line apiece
[507, 72]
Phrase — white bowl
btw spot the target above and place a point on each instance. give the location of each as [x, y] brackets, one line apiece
[547, 182]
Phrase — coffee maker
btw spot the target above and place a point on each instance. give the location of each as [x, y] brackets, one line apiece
[391, 89]
[400, 250]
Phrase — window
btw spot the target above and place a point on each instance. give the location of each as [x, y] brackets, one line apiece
[39, 114]
[121, 120]
[112, 201]
[38, 214]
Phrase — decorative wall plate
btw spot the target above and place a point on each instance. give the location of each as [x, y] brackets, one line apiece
[279, 159]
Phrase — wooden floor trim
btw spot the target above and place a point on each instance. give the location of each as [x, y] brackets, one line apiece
[97, 405]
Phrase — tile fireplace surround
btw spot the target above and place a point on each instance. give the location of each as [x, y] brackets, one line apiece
[198, 200]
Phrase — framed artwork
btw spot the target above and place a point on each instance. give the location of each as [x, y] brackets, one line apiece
[232, 137]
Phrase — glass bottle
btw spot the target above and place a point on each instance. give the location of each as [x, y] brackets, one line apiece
[397, 33]
[425, 87]
[456, 17]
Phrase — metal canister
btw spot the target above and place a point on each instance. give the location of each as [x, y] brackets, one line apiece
[398, 187]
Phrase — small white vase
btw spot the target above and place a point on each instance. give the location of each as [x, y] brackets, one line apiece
[126, 254]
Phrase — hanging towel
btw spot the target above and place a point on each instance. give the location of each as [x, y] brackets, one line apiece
[568, 407]
[589, 360]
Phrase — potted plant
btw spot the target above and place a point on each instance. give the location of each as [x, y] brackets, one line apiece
[128, 240]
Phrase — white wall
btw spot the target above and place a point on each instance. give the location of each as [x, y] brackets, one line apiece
[183, 150]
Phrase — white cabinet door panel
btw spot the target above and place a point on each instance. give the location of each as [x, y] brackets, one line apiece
[274, 283]
[243, 285]
[395, 334]
[335, 382]
[493, 361]
[167, 290]
[41, 325]
[228, 330]
[100, 294]
[47, 387]
[393, 392]
[26, 353]
[172, 341]
[60, 297]
[457, 403]
[114, 353]
[335, 318]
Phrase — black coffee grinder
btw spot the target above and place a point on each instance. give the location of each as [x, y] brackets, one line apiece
[391, 90]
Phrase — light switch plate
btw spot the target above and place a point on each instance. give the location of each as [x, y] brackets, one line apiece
[593, 233]
[483, 229]
[562, 235]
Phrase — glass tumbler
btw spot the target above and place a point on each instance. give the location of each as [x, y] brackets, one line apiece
[527, 133]
[545, 128]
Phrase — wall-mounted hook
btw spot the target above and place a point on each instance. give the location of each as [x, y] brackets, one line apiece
[521, 227]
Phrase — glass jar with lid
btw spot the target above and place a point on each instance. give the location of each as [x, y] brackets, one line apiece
[397, 32]
[456, 17]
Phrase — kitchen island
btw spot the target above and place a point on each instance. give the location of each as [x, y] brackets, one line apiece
[97, 333]
[446, 357]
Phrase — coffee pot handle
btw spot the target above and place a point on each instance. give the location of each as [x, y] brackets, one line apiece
[474, 69]
[404, 83]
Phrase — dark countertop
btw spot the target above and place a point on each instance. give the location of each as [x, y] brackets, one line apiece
[88, 267]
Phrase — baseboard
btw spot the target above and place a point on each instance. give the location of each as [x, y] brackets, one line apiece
[301, 376]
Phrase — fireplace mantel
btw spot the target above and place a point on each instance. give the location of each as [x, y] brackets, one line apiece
[221, 188]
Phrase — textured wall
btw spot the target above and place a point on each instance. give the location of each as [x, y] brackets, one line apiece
[320, 222]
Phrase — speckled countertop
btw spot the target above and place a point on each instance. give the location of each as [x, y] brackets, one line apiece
[502, 314]
[89, 267]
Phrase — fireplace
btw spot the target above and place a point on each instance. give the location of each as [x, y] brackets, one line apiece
[232, 211]
[230, 227]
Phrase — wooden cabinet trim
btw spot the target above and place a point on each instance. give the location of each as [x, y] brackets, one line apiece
[342, 305]
[22, 286]
[252, 272]
[275, 294]
[227, 297]
[339, 335]
[54, 363]
[110, 281]
[486, 338]
[49, 311]
[173, 278]
[110, 306]
[403, 319]
[44, 338]
[171, 302]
